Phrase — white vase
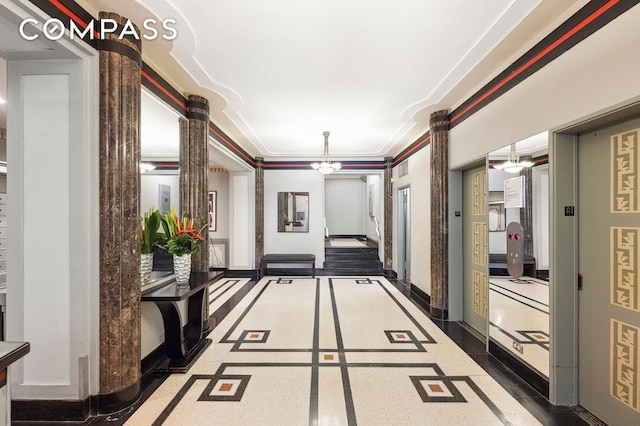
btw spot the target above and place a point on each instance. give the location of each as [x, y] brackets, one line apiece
[146, 264]
[182, 269]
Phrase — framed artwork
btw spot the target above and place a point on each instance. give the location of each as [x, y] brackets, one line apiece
[213, 210]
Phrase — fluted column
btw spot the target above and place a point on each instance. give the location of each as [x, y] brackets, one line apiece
[120, 61]
[388, 214]
[439, 132]
[259, 209]
[194, 166]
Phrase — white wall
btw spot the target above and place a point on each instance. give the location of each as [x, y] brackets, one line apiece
[149, 190]
[374, 186]
[219, 181]
[53, 227]
[344, 206]
[541, 231]
[242, 220]
[568, 89]
[311, 242]
[419, 179]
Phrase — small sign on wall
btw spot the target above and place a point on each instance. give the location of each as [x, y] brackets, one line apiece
[514, 192]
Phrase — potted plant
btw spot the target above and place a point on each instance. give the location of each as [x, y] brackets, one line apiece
[151, 240]
[182, 241]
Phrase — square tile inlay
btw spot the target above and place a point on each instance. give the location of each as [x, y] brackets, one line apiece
[437, 389]
[225, 388]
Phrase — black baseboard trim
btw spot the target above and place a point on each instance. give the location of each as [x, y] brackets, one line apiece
[440, 314]
[390, 273]
[116, 401]
[48, 410]
[154, 358]
[241, 273]
[422, 298]
[538, 382]
[359, 237]
[56, 410]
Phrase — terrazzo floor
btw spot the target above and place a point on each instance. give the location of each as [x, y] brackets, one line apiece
[330, 351]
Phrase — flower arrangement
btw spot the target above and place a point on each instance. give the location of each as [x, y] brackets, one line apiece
[182, 237]
[151, 239]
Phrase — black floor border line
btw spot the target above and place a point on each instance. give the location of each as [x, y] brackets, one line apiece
[516, 300]
[346, 384]
[519, 294]
[314, 396]
[225, 338]
[211, 301]
[189, 382]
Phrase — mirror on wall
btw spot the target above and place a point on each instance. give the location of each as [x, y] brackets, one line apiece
[293, 212]
[159, 168]
[519, 305]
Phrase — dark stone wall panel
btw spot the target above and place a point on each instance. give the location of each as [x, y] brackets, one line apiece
[119, 134]
[259, 209]
[439, 213]
[194, 166]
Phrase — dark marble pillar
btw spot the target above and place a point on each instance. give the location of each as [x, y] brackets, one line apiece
[439, 132]
[119, 125]
[194, 177]
[259, 209]
[526, 213]
[388, 214]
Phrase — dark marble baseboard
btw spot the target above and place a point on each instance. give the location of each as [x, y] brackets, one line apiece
[538, 382]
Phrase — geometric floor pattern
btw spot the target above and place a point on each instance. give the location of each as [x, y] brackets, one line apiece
[330, 351]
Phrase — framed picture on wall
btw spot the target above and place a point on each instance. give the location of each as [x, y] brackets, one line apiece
[213, 210]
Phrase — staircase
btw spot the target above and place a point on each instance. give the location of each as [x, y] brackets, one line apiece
[352, 260]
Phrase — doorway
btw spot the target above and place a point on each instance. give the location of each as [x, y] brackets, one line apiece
[404, 234]
[609, 263]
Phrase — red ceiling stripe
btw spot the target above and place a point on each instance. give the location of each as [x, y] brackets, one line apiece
[165, 91]
[233, 147]
[539, 56]
[411, 150]
[62, 8]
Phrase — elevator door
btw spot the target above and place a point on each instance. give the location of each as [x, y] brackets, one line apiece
[404, 234]
[475, 247]
[609, 262]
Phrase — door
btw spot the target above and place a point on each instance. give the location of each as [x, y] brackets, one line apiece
[404, 234]
[609, 262]
[475, 248]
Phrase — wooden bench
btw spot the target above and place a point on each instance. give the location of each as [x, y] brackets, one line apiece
[307, 259]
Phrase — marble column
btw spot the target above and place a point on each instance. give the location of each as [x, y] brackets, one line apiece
[119, 126]
[194, 178]
[259, 209]
[439, 132]
[388, 214]
[526, 213]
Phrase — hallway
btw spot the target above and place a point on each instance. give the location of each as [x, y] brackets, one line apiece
[305, 351]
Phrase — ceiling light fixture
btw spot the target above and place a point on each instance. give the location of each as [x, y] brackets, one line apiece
[326, 166]
[2, 100]
[146, 167]
[513, 163]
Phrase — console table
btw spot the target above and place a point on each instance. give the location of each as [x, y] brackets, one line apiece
[183, 343]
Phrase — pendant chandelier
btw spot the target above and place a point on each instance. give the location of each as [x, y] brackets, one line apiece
[513, 163]
[326, 166]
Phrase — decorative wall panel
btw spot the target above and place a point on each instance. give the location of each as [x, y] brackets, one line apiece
[480, 293]
[480, 246]
[625, 177]
[479, 193]
[625, 267]
[625, 364]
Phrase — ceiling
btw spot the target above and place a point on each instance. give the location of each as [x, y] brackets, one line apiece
[279, 73]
